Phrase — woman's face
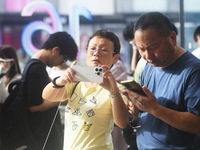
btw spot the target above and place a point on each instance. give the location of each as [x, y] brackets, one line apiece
[100, 51]
[5, 66]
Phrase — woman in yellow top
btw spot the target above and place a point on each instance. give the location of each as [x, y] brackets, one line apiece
[92, 108]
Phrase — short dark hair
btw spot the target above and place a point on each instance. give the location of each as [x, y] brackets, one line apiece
[128, 32]
[156, 20]
[109, 36]
[65, 42]
[9, 52]
[196, 33]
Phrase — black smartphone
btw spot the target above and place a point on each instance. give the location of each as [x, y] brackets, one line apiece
[133, 86]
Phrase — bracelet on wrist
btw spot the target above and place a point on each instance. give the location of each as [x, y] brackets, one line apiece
[114, 95]
[56, 85]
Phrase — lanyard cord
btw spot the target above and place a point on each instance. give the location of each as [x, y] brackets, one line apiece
[54, 118]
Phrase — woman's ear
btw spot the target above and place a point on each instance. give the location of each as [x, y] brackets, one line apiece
[116, 58]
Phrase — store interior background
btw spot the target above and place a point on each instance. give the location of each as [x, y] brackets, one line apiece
[106, 14]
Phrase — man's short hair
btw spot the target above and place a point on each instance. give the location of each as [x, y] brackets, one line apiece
[155, 20]
[65, 42]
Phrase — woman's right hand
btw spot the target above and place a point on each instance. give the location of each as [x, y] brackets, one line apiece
[68, 76]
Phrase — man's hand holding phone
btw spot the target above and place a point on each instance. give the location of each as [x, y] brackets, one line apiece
[133, 86]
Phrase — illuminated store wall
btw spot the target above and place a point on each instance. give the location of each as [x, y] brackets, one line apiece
[109, 14]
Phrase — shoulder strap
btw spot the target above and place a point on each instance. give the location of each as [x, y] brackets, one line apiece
[75, 87]
[21, 81]
[27, 67]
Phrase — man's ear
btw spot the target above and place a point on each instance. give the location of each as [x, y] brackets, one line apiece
[173, 37]
[56, 51]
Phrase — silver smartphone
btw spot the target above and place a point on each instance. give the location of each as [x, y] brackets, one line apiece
[88, 73]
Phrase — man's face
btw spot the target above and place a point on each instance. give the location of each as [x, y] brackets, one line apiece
[60, 60]
[100, 51]
[198, 40]
[154, 48]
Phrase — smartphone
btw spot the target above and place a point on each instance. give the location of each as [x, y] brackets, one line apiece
[88, 73]
[133, 86]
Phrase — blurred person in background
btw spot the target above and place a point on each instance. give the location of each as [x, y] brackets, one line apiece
[129, 37]
[43, 117]
[196, 37]
[119, 71]
[9, 69]
[196, 52]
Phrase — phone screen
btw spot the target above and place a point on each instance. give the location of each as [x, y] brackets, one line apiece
[133, 86]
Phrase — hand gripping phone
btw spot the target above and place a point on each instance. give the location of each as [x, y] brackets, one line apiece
[133, 86]
[88, 73]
